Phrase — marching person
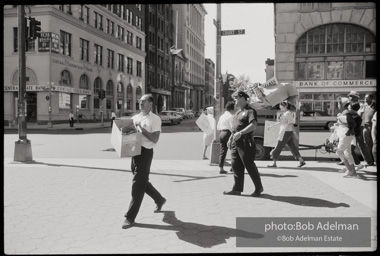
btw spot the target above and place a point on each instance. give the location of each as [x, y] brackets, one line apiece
[353, 107]
[353, 96]
[208, 138]
[286, 134]
[369, 111]
[346, 133]
[225, 127]
[374, 137]
[242, 146]
[71, 119]
[113, 117]
[149, 125]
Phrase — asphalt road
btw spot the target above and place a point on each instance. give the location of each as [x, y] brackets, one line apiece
[177, 142]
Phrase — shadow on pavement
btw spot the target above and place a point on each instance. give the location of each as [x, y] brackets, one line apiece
[190, 178]
[304, 201]
[201, 235]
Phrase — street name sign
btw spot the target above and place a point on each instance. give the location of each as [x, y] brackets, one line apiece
[232, 32]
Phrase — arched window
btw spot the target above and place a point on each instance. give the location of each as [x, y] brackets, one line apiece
[109, 88]
[120, 90]
[129, 96]
[65, 78]
[343, 51]
[97, 85]
[83, 82]
[336, 39]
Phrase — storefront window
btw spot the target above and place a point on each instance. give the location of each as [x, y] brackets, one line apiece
[318, 105]
[65, 78]
[328, 96]
[306, 96]
[317, 96]
[315, 70]
[335, 70]
[83, 101]
[64, 100]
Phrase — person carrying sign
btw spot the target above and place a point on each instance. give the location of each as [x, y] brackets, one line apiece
[286, 135]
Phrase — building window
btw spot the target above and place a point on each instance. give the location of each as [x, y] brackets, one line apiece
[120, 62]
[110, 27]
[335, 70]
[65, 43]
[110, 58]
[129, 37]
[98, 54]
[354, 69]
[138, 96]
[120, 33]
[336, 38]
[138, 68]
[65, 78]
[84, 13]
[98, 21]
[315, 6]
[129, 97]
[83, 82]
[97, 87]
[138, 42]
[109, 88]
[84, 48]
[130, 66]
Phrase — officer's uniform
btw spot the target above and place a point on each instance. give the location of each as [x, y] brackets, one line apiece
[243, 150]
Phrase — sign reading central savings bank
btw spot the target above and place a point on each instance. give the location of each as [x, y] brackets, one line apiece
[43, 88]
[323, 83]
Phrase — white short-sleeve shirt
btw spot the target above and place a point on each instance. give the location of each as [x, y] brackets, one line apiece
[151, 123]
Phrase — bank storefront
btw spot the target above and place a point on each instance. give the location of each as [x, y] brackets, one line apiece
[332, 60]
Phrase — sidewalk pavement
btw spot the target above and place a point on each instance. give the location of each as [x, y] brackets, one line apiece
[77, 206]
[64, 126]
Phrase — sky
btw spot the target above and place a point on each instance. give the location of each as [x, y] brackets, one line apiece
[242, 54]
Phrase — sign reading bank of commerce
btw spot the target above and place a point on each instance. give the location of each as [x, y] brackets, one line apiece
[322, 83]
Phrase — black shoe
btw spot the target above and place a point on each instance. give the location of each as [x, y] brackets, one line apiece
[231, 170]
[159, 206]
[128, 224]
[371, 164]
[302, 164]
[232, 192]
[257, 192]
[272, 165]
[223, 172]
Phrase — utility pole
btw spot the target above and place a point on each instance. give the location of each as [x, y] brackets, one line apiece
[23, 148]
[215, 146]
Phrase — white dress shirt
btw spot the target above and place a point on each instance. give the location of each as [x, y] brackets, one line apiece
[152, 123]
[225, 121]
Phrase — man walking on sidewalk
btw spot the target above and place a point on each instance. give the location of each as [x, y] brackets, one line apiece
[149, 125]
[243, 148]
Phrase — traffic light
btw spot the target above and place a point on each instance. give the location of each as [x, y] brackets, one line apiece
[34, 28]
[100, 94]
[103, 94]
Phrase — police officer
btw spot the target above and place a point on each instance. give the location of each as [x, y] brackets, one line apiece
[243, 148]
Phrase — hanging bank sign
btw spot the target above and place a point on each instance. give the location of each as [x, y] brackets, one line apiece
[48, 41]
[44, 88]
[333, 83]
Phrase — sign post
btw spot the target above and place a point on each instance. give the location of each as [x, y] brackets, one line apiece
[218, 101]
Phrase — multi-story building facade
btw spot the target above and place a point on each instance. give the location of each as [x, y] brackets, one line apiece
[83, 49]
[327, 50]
[209, 82]
[269, 69]
[179, 88]
[190, 33]
[159, 32]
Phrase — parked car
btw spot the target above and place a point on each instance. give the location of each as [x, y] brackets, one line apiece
[189, 114]
[169, 117]
[316, 118]
[181, 112]
[198, 113]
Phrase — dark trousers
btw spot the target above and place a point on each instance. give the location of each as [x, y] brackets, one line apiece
[364, 149]
[287, 140]
[112, 121]
[243, 154]
[223, 138]
[71, 122]
[140, 166]
[354, 156]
